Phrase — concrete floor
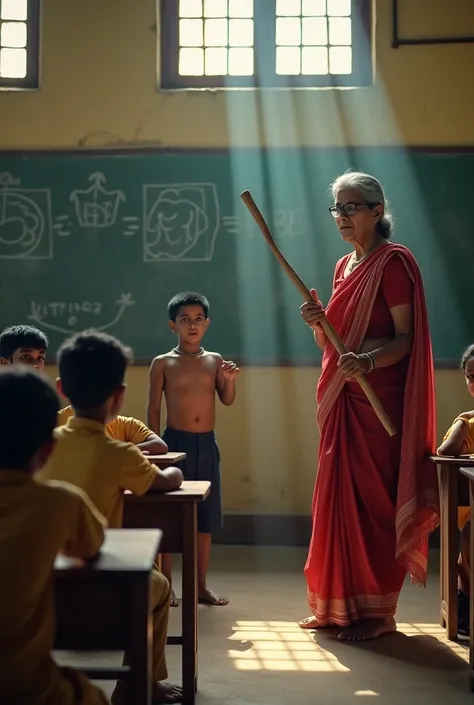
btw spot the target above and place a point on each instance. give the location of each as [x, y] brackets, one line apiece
[252, 651]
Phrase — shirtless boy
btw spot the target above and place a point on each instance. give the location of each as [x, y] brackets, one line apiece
[189, 377]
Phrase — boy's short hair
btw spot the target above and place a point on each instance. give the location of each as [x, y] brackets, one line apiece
[28, 415]
[16, 337]
[467, 355]
[92, 367]
[186, 298]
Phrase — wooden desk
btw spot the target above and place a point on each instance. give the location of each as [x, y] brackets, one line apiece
[468, 471]
[105, 605]
[448, 473]
[175, 513]
[166, 459]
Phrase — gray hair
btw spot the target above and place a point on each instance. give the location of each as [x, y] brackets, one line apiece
[371, 191]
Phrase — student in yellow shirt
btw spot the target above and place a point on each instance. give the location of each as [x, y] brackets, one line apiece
[36, 523]
[28, 345]
[92, 368]
[128, 429]
[459, 440]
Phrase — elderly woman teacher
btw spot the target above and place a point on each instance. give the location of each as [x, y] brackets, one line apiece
[376, 497]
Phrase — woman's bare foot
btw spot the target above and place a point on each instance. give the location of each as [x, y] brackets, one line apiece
[368, 629]
[174, 602]
[208, 597]
[166, 693]
[311, 623]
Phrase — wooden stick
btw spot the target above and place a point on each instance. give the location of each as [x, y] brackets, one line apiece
[306, 294]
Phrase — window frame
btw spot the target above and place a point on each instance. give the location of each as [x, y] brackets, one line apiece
[265, 75]
[31, 80]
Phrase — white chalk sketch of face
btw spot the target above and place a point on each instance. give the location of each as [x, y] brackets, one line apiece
[177, 221]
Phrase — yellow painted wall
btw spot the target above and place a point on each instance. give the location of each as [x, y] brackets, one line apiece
[99, 88]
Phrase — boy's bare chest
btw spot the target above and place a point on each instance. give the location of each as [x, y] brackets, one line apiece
[191, 373]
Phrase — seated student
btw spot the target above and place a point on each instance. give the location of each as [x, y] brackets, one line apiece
[459, 440]
[36, 523]
[127, 429]
[25, 344]
[92, 368]
[29, 345]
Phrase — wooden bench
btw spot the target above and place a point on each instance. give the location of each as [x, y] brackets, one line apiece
[106, 606]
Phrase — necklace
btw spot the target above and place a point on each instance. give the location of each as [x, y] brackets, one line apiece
[353, 264]
[188, 354]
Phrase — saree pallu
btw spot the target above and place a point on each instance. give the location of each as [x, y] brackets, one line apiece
[376, 497]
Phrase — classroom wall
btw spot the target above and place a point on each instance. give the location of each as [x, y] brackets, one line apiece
[99, 89]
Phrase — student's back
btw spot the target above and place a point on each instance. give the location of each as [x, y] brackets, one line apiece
[36, 523]
[101, 466]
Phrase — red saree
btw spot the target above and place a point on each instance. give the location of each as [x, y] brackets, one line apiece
[376, 498]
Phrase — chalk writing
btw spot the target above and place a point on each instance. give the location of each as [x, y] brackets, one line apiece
[71, 317]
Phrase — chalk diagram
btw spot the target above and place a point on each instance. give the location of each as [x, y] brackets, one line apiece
[25, 221]
[95, 207]
[180, 222]
[64, 317]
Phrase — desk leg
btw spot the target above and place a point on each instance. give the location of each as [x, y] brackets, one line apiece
[443, 522]
[471, 591]
[449, 550]
[189, 603]
[138, 684]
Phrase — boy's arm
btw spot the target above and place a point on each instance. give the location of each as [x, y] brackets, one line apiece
[87, 526]
[134, 431]
[225, 380]
[458, 440]
[140, 476]
[155, 391]
[154, 445]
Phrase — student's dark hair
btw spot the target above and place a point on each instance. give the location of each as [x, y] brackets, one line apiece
[28, 415]
[467, 355]
[15, 337]
[92, 367]
[186, 298]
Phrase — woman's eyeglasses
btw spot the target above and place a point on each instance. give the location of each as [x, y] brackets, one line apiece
[349, 209]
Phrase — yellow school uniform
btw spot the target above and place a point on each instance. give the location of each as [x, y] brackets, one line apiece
[464, 512]
[123, 428]
[101, 466]
[36, 523]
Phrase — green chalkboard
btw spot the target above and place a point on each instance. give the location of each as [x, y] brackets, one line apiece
[105, 239]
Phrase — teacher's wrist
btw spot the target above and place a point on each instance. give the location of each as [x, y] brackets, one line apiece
[368, 360]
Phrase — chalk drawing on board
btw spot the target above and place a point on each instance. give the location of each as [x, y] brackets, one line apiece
[72, 317]
[180, 222]
[95, 207]
[285, 224]
[25, 221]
[131, 225]
[231, 224]
[62, 225]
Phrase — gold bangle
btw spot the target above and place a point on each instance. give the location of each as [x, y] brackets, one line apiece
[462, 419]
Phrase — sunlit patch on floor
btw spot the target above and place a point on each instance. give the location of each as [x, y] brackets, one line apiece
[280, 646]
[284, 646]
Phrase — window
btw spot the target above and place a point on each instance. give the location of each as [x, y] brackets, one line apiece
[265, 43]
[19, 44]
